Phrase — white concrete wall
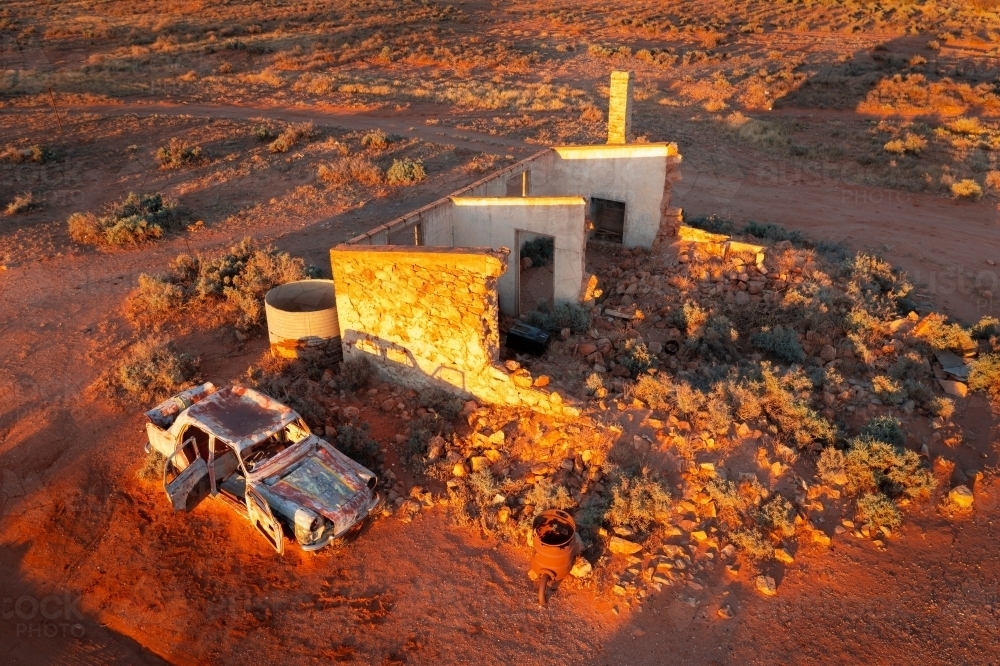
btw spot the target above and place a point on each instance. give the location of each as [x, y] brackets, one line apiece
[495, 221]
[633, 173]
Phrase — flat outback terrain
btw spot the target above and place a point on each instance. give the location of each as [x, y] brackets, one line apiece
[781, 455]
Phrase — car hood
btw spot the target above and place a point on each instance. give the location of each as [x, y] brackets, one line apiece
[325, 482]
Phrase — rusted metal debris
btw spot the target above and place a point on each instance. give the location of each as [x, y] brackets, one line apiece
[259, 457]
[556, 546]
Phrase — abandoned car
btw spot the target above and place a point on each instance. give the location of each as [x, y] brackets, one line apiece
[260, 458]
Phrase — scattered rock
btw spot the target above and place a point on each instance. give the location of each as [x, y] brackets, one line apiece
[459, 469]
[525, 263]
[621, 546]
[726, 613]
[587, 348]
[961, 496]
[957, 389]
[479, 463]
[542, 380]
[581, 568]
[782, 556]
[828, 353]
[766, 586]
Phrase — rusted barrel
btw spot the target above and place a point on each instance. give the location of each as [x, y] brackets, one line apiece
[555, 547]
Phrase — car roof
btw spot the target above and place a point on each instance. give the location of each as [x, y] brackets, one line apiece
[240, 416]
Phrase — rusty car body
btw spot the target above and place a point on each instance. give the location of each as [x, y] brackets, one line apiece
[258, 457]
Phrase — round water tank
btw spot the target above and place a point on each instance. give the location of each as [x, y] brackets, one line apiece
[302, 315]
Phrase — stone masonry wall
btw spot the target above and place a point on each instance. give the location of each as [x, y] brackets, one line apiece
[427, 317]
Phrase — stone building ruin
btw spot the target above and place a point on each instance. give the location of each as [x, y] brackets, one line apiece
[420, 296]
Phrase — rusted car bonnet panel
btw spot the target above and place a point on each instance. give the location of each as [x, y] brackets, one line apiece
[165, 413]
[327, 486]
[240, 416]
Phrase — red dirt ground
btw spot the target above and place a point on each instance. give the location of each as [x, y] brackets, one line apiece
[203, 588]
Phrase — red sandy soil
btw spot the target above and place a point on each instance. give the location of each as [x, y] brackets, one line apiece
[204, 588]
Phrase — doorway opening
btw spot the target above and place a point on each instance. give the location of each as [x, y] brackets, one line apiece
[536, 272]
[609, 219]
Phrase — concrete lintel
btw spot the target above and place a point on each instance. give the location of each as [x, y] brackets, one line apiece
[605, 151]
[519, 201]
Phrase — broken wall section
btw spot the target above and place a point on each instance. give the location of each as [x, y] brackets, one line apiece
[428, 317]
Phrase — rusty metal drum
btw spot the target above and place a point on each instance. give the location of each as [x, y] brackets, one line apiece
[555, 546]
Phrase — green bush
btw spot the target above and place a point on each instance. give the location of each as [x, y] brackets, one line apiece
[263, 133]
[237, 277]
[871, 466]
[133, 220]
[355, 373]
[594, 383]
[885, 429]
[985, 375]
[291, 136]
[987, 328]
[177, 153]
[772, 232]
[752, 544]
[639, 502]
[351, 169]
[564, 315]
[445, 403]
[712, 224]
[877, 510]
[540, 250]
[637, 359]
[779, 342]
[356, 443]
[375, 140]
[888, 390]
[777, 515]
[405, 172]
[655, 390]
[37, 153]
[152, 369]
[715, 340]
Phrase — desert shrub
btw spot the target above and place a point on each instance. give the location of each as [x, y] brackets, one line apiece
[712, 224]
[151, 470]
[877, 510]
[910, 365]
[356, 443]
[966, 189]
[445, 403]
[777, 515]
[236, 278]
[178, 153]
[262, 133]
[940, 335]
[830, 466]
[38, 154]
[422, 431]
[639, 502]
[654, 390]
[985, 375]
[22, 204]
[133, 220]
[885, 429]
[872, 466]
[594, 383]
[291, 136]
[355, 373]
[941, 407]
[752, 544]
[637, 358]
[772, 232]
[780, 342]
[888, 390]
[542, 496]
[785, 401]
[405, 172]
[540, 250]
[735, 502]
[986, 328]
[351, 169]
[876, 291]
[375, 140]
[715, 339]
[571, 316]
[152, 369]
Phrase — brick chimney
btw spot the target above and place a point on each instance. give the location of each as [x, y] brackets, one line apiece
[620, 108]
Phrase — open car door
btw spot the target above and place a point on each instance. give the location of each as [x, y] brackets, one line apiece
[185, 477]
[263, 520]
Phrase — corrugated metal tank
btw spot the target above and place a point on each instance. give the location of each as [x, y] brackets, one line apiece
[302, 315]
